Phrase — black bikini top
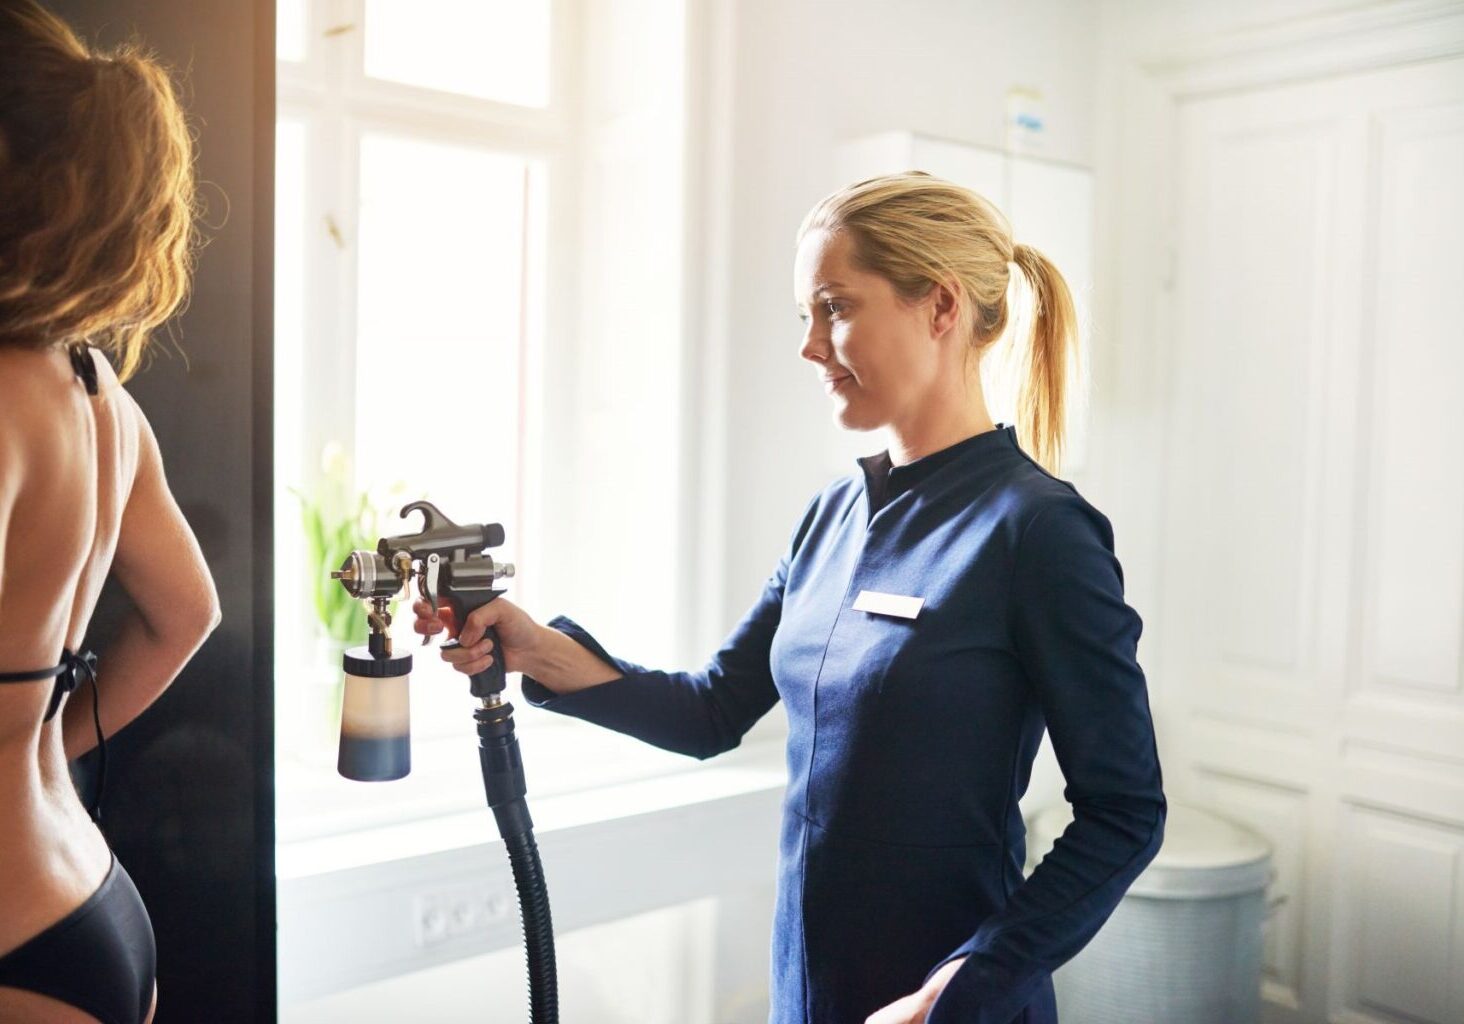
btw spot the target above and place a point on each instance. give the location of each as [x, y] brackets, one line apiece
[73, 666]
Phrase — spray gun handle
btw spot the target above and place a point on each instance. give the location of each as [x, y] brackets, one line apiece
[492, 679]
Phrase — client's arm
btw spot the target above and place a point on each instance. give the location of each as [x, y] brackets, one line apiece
[175, 605]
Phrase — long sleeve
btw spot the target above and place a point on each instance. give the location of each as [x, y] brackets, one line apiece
[700, 713]
[1077, 642]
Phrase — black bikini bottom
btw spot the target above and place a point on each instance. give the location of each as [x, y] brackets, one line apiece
[100, 958]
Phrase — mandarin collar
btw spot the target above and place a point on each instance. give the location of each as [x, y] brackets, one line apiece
[887, 480]
[910, 472]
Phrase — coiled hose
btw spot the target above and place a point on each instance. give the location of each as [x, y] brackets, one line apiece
[503, 781]
[533, 895]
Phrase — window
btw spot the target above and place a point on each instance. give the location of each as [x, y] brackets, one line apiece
[488, 49]
[478, 256]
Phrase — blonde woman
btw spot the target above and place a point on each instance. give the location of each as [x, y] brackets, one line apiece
[96, 187]
[932, 615]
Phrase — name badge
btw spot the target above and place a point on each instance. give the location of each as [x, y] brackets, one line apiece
[888, 604]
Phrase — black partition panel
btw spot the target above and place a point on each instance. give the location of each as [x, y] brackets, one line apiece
[190, 805]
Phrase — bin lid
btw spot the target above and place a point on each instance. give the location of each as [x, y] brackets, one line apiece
[1203, 856]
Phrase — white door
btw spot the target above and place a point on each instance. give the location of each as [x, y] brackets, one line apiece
[1313, 577]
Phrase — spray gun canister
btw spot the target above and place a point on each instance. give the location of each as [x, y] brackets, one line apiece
[375, 744]
[375, 716]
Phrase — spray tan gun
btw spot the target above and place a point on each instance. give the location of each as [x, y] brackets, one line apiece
[452, 571]
[456, 576]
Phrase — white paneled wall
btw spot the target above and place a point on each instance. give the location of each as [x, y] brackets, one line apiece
[1300, 190]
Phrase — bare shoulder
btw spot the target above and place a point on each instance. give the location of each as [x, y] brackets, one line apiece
[33, 413]
[120, 420]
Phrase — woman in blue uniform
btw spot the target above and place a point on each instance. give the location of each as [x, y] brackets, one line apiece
[932, 614]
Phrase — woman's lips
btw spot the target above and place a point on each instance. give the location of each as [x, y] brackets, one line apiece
[832, 384]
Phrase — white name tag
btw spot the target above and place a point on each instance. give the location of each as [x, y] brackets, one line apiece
[888, 604]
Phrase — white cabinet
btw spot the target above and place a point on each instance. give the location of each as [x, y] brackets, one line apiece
[1049, 205]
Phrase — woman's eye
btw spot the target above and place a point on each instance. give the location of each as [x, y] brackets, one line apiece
[833, 307]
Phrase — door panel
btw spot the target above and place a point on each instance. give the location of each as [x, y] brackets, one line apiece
[1314, 522]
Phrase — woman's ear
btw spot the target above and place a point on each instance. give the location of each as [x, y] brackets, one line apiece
[945, 307]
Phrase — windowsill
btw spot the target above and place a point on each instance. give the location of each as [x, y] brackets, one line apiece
[563, 757]
[750, 769]
[359, 906]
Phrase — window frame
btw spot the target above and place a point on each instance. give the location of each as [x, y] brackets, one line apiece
[329, 91]
[337, 104]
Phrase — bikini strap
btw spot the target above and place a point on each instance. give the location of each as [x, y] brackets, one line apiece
[85, 367]
[64, 674]
[68, 676]
[32, 676]
[75, 666]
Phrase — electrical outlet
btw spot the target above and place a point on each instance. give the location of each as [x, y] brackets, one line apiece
[448, 914]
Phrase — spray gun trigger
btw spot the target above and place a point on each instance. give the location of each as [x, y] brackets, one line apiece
[434, 567]
[429, 585]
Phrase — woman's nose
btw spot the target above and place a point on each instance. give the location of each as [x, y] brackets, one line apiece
[815, 346]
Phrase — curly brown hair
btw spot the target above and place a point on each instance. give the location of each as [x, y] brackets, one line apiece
[96, 189]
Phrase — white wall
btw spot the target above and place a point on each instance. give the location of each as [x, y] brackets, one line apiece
[1127, 386]
[654, 967]
[1155, 26]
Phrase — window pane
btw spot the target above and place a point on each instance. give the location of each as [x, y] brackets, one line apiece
[491, 49]
[441, 285]
[291, 18]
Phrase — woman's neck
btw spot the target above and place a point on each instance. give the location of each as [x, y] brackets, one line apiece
[936, 426]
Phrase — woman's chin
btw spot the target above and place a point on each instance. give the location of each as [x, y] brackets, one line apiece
[848, 417]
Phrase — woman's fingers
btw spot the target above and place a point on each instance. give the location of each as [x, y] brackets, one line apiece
[468, 662]
[479, 619]
[428, 623]
[469, 659]
[474, 667]
[466, 652]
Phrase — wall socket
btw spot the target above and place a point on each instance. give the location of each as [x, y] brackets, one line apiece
[449, 914]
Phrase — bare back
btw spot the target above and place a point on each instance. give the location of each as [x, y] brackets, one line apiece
[69, 461]
[76, 457]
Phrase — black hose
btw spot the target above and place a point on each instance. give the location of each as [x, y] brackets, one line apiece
[503, 781]
[528, 877]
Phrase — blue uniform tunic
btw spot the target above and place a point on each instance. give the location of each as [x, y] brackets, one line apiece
[911, 740]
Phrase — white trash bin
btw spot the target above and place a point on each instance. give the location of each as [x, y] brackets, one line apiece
[1184, 944]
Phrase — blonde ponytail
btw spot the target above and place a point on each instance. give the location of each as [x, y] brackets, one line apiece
[1051, 363]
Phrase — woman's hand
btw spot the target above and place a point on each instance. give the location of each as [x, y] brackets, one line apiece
[519, 634]
[912, 1009]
